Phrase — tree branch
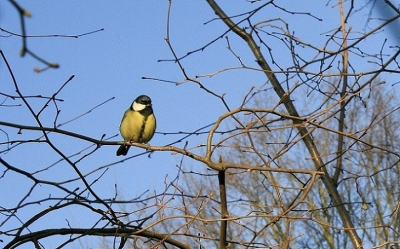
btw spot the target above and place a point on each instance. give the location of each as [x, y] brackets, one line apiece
[307, 139]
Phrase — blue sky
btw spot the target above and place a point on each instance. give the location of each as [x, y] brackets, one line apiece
[111, 63]
[108, 64]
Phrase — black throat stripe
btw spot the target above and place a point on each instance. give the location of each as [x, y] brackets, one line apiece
[142, 128]
[146, 111]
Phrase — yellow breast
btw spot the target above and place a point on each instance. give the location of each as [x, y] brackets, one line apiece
[137, 128]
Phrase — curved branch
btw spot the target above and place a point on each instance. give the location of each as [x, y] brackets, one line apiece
[103, 232]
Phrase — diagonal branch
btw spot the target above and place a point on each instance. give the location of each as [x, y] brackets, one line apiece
[307, 139]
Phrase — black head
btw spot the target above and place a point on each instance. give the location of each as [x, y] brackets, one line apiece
[142, 104]
[144, 100]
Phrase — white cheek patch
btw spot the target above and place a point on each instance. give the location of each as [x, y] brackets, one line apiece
[138, 107]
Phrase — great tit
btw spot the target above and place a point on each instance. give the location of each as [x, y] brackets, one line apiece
[138, 124]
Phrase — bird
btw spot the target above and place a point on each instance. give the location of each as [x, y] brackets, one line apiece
[138, 124]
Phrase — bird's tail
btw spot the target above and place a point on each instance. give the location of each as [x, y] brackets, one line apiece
[123, 150]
